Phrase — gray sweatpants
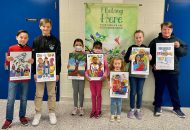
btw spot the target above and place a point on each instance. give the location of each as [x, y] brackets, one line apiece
[78, 90]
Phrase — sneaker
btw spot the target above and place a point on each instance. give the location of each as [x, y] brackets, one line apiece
[179, 113]
[36, 119]
[7, 124]
[74, 111]
[81, 111]
[24, 120]
[52, 118]
[98, 114]
[118, 118]
[131, 114]
[112, 118]
[138, 115]
[157, 111]
[92, 114]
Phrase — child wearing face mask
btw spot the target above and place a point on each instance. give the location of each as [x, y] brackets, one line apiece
[78, 85]
[96, 85]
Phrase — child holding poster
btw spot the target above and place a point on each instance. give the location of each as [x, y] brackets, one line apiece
[78, 85]
[167, 76]
[49, 44]
[22, 85]
[96, 85]
[116, 65]
[136, 81]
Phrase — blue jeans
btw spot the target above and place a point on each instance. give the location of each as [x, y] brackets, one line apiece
[12, 90]
[136, 87]
[116, 104]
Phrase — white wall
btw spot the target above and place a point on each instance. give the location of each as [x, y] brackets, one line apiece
[72, 26]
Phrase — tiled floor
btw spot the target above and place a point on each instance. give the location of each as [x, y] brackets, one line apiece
[167, 121]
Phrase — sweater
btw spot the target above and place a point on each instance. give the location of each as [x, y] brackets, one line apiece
[178, 52]
[45, 44]
[17, 48]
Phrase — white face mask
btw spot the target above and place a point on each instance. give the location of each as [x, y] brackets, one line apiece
[97, 51]
[78, 48]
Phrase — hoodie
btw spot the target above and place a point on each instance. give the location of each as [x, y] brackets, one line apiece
[178, 52]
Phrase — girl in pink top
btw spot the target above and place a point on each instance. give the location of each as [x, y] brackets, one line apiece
[96, 85]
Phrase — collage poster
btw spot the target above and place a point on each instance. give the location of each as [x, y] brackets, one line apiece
[119, 84]
[140, 62]
[165, 56]
[76, 66]
[45, 67]
[20, 69]
[95, 66]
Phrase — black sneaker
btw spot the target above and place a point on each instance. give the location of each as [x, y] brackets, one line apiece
[157, 111]
[179, 113]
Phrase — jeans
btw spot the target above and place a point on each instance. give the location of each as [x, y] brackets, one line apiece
[12, 90]
[116, 104]
[136, 87]
[171, 82]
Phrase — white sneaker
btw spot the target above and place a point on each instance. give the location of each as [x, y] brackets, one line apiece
[36, 119]
[112, 118]
[74, 111]
[118, 118]
[52, 118]
[81, 111]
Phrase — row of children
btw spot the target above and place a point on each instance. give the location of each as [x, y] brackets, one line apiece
[163, 78]
[116, 64]
[48, 43]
